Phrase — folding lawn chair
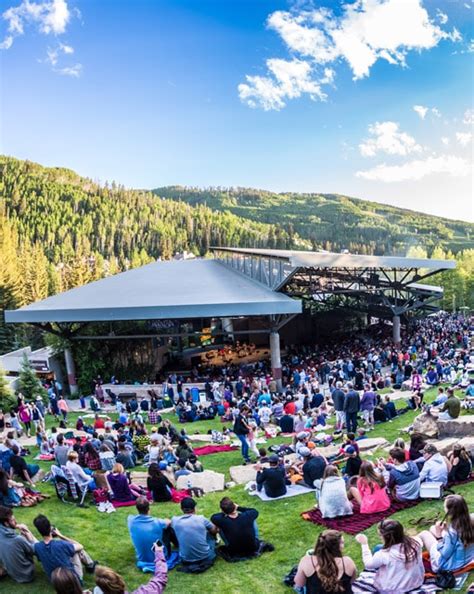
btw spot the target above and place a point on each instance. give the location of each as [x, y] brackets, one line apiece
[77, 492]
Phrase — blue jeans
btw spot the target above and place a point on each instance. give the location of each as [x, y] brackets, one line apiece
[351, 422]
[245, 447]
[32, 469]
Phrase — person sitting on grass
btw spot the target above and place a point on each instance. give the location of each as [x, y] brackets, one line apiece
[122, 490]
[312, 467]
[273, 479]
[331, 494]
[435, 467]
[57, 550]
[196, 538]
[403, 476]
[110, 582]
[353, 462]
[238, 529]
[159, 484]
[398, 563]
[144, 531]
[326, 568]
[16, 548]
[450, 542]
[25, 472]
[65, 581]
[370, 492]
[461, 466]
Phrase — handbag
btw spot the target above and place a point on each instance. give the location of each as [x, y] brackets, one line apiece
[445, 579]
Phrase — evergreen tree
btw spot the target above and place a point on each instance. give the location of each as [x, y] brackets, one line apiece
[7, 399]
[28, 381]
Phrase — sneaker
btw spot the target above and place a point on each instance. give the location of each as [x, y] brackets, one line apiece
[101, 506]
[110, 508]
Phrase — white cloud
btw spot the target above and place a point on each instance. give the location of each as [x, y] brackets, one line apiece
[418, 169]
[50, 18]
[75, 70]
[445, 140]
[468, 117]
[436, 112]
[362, 33]
[441, 16]
[421, 110]
[53, 53]
[386, 137]
[287, 80]
[464, 138]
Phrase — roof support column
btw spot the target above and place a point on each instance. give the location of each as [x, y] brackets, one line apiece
[276, 358]
[71, 371]
[228, 326]
[396, 329]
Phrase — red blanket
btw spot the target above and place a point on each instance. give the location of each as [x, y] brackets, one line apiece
[357, 522]
[213, 449]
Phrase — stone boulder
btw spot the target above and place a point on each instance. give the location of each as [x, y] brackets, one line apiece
[208, 480]
[426, 424]
[463, 426]
[444, 445]
[468, 443]
[372, 443]
[241, 475]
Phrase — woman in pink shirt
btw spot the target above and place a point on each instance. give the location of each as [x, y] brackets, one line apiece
[370, 492]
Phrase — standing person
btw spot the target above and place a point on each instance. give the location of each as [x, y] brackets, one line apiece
[63, 408]
[398, 564]
[24, 414]
[351, 408]
[241, 430]
[57, 550]
[144, 531]
[367, 406]
[326, 569]
[450, 542]
[16, 548]
[338, 398]
[196, 537]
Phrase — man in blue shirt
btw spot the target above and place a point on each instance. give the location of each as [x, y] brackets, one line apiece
[195, 536]
[144, 531]
[57, 550]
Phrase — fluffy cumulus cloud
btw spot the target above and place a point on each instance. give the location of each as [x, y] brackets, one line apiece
[50, 18]
[365, 31]
[386, 137]
[464, 138]
[287, 79]
[418, 169]
[468, 117]
[422, 111]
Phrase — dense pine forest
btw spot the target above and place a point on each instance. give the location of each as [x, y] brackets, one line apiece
[59, 230]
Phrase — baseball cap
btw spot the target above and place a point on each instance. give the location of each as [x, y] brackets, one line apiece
[273, 459]
[350, 450]
[305, 452]
[301, 435]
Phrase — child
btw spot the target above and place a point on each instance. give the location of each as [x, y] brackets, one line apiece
[252, 437]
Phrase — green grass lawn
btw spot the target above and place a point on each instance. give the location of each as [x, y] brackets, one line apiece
[106, 537]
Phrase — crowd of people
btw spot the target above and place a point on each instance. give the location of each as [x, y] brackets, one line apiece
[336, 394]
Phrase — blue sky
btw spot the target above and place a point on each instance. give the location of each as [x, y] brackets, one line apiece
[287, 96]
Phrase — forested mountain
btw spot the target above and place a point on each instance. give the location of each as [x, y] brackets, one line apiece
[59, 230]
[334, 222]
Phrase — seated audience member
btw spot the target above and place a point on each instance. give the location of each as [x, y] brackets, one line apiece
[61, 451]
[107, 457]
[273, 479]
[461, 466]
[287, 423]
[398, 564]
[56, 550]
[80, 477]
[416, 400]
[65, 581]
[432, 378]
[25, 472]
[196, 537]
[110, 582]
[144, 531]
[353, 462]
[332, 495]
[237, 527]
[312, 468]
[184, 450]
[451, 409]
[158, 484]
[370, 492]
[122, 491]
[417, 443]
[440, 398]
[182, 470]
[435, 467]
[16, 548]
[193, 464]
[389, 408]
[91, 457]
[326, 568]
[403, 476]
[125, 456]
[450, 543]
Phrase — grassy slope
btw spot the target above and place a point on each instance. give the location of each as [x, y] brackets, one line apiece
[106, 537]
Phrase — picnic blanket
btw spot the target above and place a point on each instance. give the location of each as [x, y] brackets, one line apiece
[356, 522]
[364, 584]
[291, 491]
[213, 449]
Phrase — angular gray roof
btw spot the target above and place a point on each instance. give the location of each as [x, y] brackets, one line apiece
[161, 290]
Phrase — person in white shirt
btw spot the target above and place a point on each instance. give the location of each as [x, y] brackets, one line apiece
[78, 474]
[398, 563]
[436, 467]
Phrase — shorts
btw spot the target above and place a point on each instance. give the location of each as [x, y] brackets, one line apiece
[435, 556]
[368, 416]
[340, 417]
